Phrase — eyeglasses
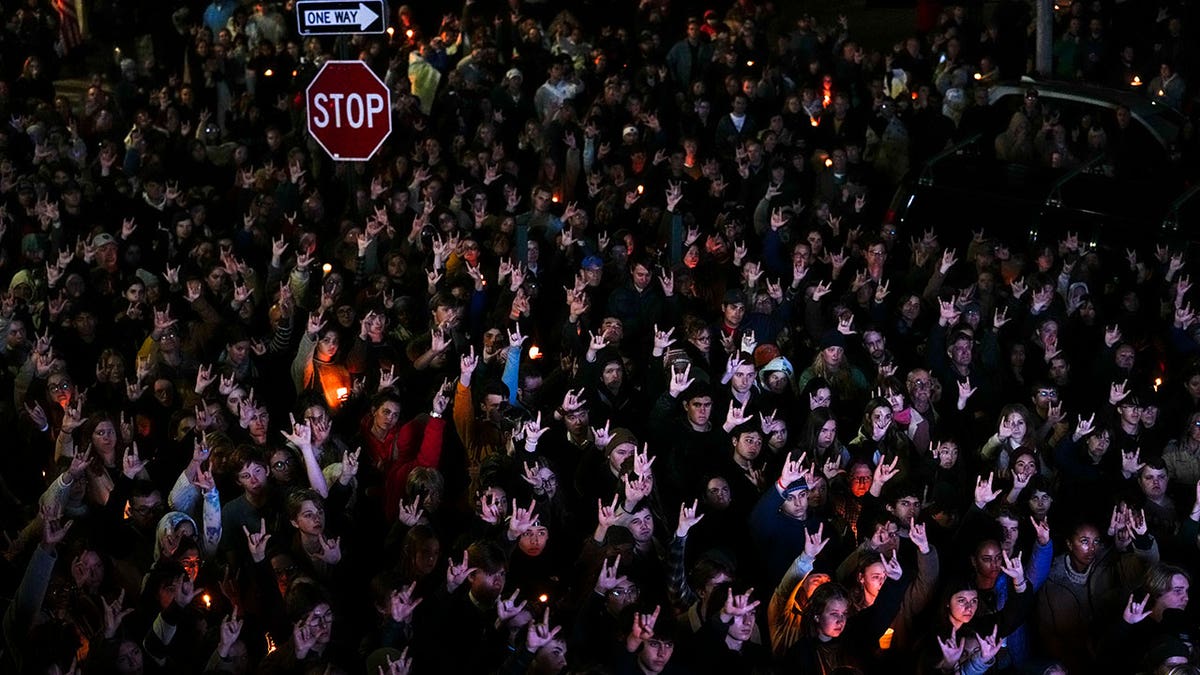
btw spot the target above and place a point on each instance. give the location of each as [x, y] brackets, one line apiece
[61, 386]
[286, 571]
[320, 619]
[625, 592]
[920, 384]
[1047, 393]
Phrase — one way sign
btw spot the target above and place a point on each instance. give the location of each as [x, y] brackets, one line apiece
[340, 17]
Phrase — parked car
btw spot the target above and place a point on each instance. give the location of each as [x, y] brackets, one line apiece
[966, 187]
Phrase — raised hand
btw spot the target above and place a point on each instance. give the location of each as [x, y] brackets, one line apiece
[331, 551]
[508, 608]
[688, 518]
[738, 605]
[606, 515]
[609, 578]
[521, 520]
[456, 574]
[736, 416]
[892, 566]
[1135, 611]
[601, 436]
[131, 463]
[1131, 462]
[231, 629]
[952, 648]
[989, 645]
[114, 614]
[814, 542]
[984, 494]
[491, 508]
[1013, 568]
[257, 541]
[349, 466]
[636, 489]
[540, 633]
[466, 366]
[411, 514]
[885, 471]
[793, 470]
[533, 431]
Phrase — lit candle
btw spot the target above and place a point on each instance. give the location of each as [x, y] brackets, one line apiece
[408, 33]
[1157, 383]
[1136, 81]
[641, 189]
[828, 162]
[207, 600]
[535, 353]
[543, 598]
[391, 31]
[326, 268]
[885, 640]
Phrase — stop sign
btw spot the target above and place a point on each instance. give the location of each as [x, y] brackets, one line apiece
[349, 111]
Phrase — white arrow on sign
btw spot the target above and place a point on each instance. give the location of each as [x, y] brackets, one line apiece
[362, 17]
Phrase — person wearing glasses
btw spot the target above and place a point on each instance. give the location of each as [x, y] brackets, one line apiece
[1049, 420]
[310, 646]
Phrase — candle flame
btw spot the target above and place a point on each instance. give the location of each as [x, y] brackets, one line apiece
[535, 353]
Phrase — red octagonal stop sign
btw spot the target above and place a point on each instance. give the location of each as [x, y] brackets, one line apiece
[349, 110]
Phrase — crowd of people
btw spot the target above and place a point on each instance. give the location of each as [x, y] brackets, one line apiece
[603, 364]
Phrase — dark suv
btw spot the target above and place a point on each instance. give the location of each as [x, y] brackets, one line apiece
[966, 187]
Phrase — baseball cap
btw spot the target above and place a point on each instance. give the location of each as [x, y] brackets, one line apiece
[794, 487]
[103, 239]
[513, 72]
[593, 262]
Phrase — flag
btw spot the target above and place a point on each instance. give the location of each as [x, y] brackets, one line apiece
[68, 24]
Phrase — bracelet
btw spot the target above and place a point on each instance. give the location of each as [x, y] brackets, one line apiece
[435, 414]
